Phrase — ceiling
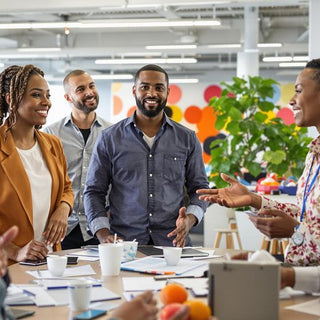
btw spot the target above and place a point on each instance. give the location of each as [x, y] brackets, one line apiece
[284, 22]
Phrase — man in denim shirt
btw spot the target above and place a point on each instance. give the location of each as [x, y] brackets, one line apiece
[78, 133]
[147, 159]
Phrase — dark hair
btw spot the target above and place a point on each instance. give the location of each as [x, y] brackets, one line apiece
[151, 67]
[13, 82]
[314, 64]
[71, 74]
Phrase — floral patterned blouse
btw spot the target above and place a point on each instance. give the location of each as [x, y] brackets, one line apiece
[309, 252]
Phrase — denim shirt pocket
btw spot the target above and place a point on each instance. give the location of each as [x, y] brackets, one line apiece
[174, 166]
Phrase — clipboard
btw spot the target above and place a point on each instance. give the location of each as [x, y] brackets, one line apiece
[242, 290]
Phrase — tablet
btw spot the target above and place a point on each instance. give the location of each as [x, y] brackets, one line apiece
[158, 252]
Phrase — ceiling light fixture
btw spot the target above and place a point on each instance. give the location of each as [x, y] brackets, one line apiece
[277, 59]
[172, 47]
[301, 58]
[224, 45]
[146, 61]
[269, 45]
[85, 24]
[112, 76]
[292, 64]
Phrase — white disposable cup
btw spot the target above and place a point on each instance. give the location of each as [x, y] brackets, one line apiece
[172, 255]
[56, 265]
[110, 258]
[129, 250]
[79, 294]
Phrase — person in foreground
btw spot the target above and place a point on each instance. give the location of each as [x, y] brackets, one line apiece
[147, 159]
[78, 133]
[301, 222]
[5, 239]
[36, 193]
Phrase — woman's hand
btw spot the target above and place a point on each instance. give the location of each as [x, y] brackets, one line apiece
[237, 195]
[57, 227]
[33, 250]
[274, 223]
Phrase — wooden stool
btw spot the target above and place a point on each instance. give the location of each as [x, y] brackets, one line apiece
[274, 246]
[229, 236]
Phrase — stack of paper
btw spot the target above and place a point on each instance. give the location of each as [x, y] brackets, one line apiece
[16, 297]
[158, 266]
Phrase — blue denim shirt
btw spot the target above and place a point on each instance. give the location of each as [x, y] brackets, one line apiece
[147, 184]
[78, 154]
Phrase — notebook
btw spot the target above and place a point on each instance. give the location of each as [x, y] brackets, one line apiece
[158, 252]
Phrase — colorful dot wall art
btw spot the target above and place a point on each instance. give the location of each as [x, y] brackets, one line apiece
[188, 105]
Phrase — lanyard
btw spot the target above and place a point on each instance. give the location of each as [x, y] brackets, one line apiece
[307, 192]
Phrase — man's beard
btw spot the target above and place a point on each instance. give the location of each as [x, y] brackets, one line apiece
[150, 113]
[80, 105]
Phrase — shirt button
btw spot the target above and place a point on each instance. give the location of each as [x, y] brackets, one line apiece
[150, 155]
[150, 231]
[174, 158]
[150, 214]
[150, 174]
[150, 195]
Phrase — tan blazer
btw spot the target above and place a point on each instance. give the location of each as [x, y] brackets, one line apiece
[15, 191]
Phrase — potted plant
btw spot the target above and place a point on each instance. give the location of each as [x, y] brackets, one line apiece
[253, 137]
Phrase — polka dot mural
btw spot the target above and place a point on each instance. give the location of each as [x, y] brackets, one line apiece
[188, 105]
[175, 94]
[193, 114]
[212, 91]
[117, 104]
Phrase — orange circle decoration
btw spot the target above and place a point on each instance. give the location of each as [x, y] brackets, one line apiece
[287, 92]
[175, 94]
[286, 115]
[206, 126]
[193, 114]
[212, 91]
[117, 105]
[206, 157]
[177, 114]
[131, 111]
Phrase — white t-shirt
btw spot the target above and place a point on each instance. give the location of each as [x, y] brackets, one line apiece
[41, 184]
[148, 140]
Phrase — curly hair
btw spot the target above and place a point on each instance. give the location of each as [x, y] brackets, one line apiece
[13, 84]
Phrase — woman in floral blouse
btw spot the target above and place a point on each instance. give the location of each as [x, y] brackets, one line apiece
[301, 222]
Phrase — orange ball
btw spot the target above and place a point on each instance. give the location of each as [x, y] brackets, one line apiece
[198, 310]
[173, 292]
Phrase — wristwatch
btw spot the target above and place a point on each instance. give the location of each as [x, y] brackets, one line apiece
[297, 238]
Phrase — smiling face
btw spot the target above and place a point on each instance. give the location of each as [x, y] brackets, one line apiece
[306, 101]
[35, 104]
[82, 93]
[151, 93]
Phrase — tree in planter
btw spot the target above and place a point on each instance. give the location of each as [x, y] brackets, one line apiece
[252, 135]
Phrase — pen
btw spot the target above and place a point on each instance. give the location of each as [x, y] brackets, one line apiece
[29, 293]
[165, 277]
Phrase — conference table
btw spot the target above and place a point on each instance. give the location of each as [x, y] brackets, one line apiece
[19, 276]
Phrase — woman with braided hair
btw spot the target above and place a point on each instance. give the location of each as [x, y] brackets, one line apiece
[36, 193]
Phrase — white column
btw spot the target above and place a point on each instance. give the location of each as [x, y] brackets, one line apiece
[248, 60]
[314, 27]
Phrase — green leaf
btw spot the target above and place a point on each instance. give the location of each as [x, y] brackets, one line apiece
[260, 117]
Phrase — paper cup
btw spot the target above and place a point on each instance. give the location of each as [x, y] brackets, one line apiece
[110, 258]
[129, 250]
[56, 265]
[172, 255]
[79, 294]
